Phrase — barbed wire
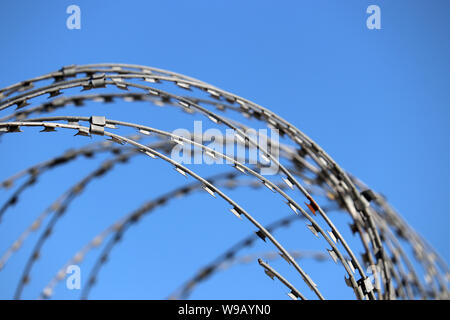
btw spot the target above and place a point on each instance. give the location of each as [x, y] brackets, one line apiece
[313, 205]
[238, 210]
[372, 217]
[71, 155]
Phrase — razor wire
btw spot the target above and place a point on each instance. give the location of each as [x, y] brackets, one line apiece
[372, 217]
[312, 206]
[236, 209]
[75, 190]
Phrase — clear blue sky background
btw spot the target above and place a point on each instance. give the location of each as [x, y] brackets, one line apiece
[376, 100]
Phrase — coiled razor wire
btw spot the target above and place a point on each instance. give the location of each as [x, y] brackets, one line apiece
[384, 235]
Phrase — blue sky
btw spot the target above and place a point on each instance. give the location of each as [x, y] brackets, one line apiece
[376, 100]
